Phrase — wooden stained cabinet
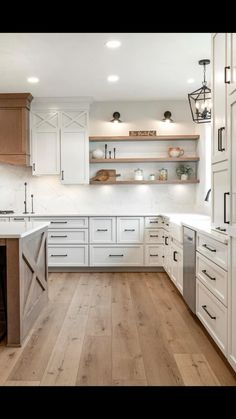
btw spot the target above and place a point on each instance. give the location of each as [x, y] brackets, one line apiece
[14, 128]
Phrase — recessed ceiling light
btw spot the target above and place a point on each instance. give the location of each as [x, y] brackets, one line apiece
[33, 79]
[113, 78]
[113, 44]
[190, 81]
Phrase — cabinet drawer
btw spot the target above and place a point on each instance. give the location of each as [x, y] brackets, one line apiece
[116, 255]
[64, 222]
[67, 255]
[4, 219]
[23, 219]
[152, 222]
[154, 236]
[61, 236]
[130, 229]
[154, 255]
[102, 230]
[213, 315]
[212, 276]
[214, 250]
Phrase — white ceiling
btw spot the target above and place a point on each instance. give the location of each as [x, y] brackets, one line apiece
[151, 66]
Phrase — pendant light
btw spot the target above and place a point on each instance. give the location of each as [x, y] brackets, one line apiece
[116, 117]
[167, 117]
[200, 99]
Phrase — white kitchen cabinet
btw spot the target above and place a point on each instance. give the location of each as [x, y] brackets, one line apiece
[116, 255]
[67, 255]
[177, 265]
[102, 230]
[45, 142]
[231, 131]
[154, 255]
[221, 195]
[74, 147]
[213, 249]
[153, 222]
[220, 146]
[231, 64]
[72, 236]
[154, 236]
[232, 307]
[130, 229]
[167, 253]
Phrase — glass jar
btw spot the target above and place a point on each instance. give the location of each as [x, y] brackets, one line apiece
[163, 174]
[151, 176]
[138, 174]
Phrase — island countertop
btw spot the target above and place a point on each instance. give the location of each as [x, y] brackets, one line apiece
[19, 229]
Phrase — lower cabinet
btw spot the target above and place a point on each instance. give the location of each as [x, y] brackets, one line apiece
[213, 315]
[154, 255]
[129, 255]
[167, 253]
[69, 255]
[232, 308]
[176, 270]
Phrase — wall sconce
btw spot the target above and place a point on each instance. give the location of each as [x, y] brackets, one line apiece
[167, 117]
[116, 117]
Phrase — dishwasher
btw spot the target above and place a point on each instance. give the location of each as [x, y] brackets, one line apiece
[189, 268]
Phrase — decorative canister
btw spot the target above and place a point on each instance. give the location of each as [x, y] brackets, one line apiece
[175, 151]
[163, 174]
[138, 174]
[151, 176]
[97, 154]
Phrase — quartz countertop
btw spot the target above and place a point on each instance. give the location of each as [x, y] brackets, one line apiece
[19, 229]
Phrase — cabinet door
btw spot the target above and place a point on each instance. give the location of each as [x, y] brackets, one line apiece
[167, 253]
[232, 308]
[177, 266]
[45, 143]
[220, 195]
[231, 58]
[231, 130]
[74, 147]
[219, 146]
[130, 229]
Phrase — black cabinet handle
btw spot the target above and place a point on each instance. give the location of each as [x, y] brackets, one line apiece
[129, 229]
[220, 148]
[58, 222]
[34, 167]
[209, 276]
[154, 255]
[166, 241]
[153, 222]
[102, 229]
[115, 255]
[62, 175]
[19, 219]
[225, 194]
[59, 236]
[226, 68]
[204, 308]
[175, 253]
[209, 248]
[220, 229]
[58, 256]
[154, 235]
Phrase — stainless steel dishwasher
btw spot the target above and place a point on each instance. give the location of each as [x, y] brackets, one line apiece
[189, 268]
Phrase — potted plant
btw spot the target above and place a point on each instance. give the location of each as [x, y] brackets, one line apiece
[184, 171]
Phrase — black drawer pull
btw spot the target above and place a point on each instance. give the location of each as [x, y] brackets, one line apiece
[225, 194]
[209, 248]
[204, 308]
[58, 256]
[129, 229]
[115, 255]
[18, 219]
[220, 229]
[102, 229]
[153, 255]
[220, 141]
[209, 276]
[154, 235]
[153, 222]
[174, 254]
[226, 68]
[166, 241]
[58, 222]
[59, 236]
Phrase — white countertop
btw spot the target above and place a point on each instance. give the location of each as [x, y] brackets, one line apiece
[19, 229]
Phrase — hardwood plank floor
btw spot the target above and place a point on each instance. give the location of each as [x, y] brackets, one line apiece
[115, 329]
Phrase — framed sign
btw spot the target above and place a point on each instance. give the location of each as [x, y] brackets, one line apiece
[143, 133]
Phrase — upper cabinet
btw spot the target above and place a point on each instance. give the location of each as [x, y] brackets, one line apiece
[59, 139]
[220, 145]
[14, 128]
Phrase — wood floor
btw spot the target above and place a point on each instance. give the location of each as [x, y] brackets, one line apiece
[114, 329]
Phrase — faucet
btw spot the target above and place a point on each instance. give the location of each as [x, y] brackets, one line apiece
[25, 201]
[207, 195]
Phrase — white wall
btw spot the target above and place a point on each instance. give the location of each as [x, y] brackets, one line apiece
[51, 196]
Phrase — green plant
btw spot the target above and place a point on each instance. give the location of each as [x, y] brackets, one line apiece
[184, 170]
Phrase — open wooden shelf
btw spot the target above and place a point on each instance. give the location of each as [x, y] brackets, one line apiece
[145, 182]
[145, 160]
[144, 138]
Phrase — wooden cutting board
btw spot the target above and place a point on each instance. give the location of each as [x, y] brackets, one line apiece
[105, 174]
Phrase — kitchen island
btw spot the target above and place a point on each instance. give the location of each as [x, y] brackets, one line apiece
[23, 250]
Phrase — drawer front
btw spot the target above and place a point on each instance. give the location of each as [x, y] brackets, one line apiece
[214, 250]
[102, 230]
[212, 276]
[116, 255]
[154, 255]
[65, 222]
[130, 229]
[213, 315]
[23, 219]
[67, 256]
[154, 236]
[152, 222]
[62, 236]
[4, 219]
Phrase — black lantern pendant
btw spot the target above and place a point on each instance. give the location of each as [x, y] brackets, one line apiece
[200, 100]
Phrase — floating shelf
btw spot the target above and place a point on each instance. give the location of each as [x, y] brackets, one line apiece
[144, 138]
[145, 160]
[145, 182]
